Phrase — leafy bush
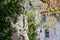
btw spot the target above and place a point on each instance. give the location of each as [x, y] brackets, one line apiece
[7, 8]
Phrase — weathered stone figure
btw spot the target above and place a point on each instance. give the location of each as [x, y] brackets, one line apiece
[21, 31]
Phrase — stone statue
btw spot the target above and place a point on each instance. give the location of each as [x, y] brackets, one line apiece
[21, 27]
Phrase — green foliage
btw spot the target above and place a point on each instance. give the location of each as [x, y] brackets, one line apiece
[7, 8]
[31, 25]
[5, 30]
[32, 28]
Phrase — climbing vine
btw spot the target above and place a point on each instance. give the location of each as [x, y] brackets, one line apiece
[31, 25]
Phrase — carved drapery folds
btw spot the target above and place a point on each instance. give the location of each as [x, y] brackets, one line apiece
[21, 27]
